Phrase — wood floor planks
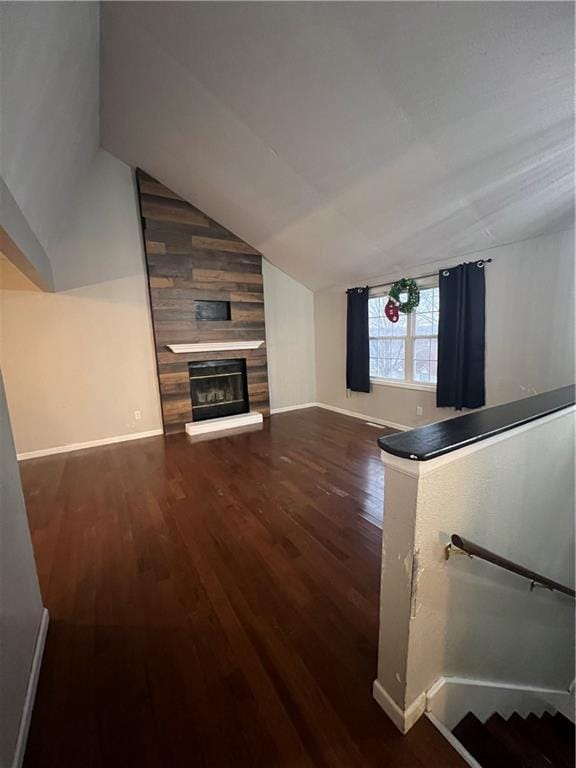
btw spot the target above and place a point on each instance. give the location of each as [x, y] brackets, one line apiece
[215, 603]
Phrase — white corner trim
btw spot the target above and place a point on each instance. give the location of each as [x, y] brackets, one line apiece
[31, 691]
[90, 444]
[410, 467]
[287, 408]
[364, 417]
[223, 423]
[214, 346]
[434, 690]
[403, 719]
[442, 681]
[453, 741]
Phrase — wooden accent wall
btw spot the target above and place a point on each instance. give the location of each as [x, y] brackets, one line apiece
[189, 256]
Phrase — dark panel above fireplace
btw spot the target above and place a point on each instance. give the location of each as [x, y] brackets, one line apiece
[212, 310]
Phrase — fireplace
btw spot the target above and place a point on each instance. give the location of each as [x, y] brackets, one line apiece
[218, 388]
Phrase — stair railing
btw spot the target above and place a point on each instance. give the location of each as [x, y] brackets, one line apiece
[460, 545]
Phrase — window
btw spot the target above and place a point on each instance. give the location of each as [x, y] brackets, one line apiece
[406, 351]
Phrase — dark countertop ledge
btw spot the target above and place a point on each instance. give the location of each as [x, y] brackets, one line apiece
[433, 440]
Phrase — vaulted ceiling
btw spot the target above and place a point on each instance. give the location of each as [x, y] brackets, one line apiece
[49, 54]
[349, 140]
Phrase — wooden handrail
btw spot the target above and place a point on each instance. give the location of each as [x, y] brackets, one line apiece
[442, 437]
[475, 550]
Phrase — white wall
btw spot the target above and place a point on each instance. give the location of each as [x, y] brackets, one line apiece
[20, 601]
[79, 362]
[289, 311]
[514, 495]
[529, 334]
[49, 125]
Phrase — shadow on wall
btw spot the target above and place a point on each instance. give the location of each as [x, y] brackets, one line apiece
[102, 242]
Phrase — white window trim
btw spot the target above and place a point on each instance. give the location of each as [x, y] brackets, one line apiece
[420, 385]
[408, 383]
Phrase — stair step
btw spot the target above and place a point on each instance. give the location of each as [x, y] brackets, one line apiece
[514, 741]
[529, 733]
[482, 745]
[566, 723]
[547, 739]
[563, 739]
[564, 728]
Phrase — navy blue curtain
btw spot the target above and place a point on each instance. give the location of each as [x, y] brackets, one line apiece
[357, 344]
[461, 330]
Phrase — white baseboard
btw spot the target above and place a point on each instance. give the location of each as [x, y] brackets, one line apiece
[287, 408]
[450, 698]
[31, 691]
[364, 417]
[403, 719]
[154, 432]
[372, 420]
[90, 444]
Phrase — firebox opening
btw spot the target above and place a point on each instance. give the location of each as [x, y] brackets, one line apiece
[218, 388]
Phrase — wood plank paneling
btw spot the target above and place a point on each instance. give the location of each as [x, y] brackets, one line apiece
[150, 187]
[225, 276]
[163, 209]
[191, 257]
[234, 246]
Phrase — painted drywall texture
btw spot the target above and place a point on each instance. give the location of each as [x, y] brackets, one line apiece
[19, 244]
[397, 547]
[527, 350]
[49, 100]
[515, 497]
[289, 312]
[513, 494]
[78, 363]
[20, 601]
[356, 147]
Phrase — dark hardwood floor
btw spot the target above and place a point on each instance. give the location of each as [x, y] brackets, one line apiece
[216, 603]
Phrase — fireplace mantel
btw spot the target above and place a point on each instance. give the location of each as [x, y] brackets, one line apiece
[213, 346]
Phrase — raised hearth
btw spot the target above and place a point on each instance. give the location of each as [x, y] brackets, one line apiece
[225, 423]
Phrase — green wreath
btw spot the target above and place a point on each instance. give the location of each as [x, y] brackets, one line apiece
[405, 286]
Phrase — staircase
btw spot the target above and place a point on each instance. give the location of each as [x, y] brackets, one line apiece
[518, 742]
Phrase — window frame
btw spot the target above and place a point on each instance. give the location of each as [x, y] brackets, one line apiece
[408, 381]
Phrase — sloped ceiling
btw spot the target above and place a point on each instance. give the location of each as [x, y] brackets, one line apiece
[349, 140]
[49, 103]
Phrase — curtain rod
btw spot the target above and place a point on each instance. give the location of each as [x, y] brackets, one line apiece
[421, 277]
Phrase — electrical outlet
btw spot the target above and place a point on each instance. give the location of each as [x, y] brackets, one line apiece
[419, 410]
[137, 415]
